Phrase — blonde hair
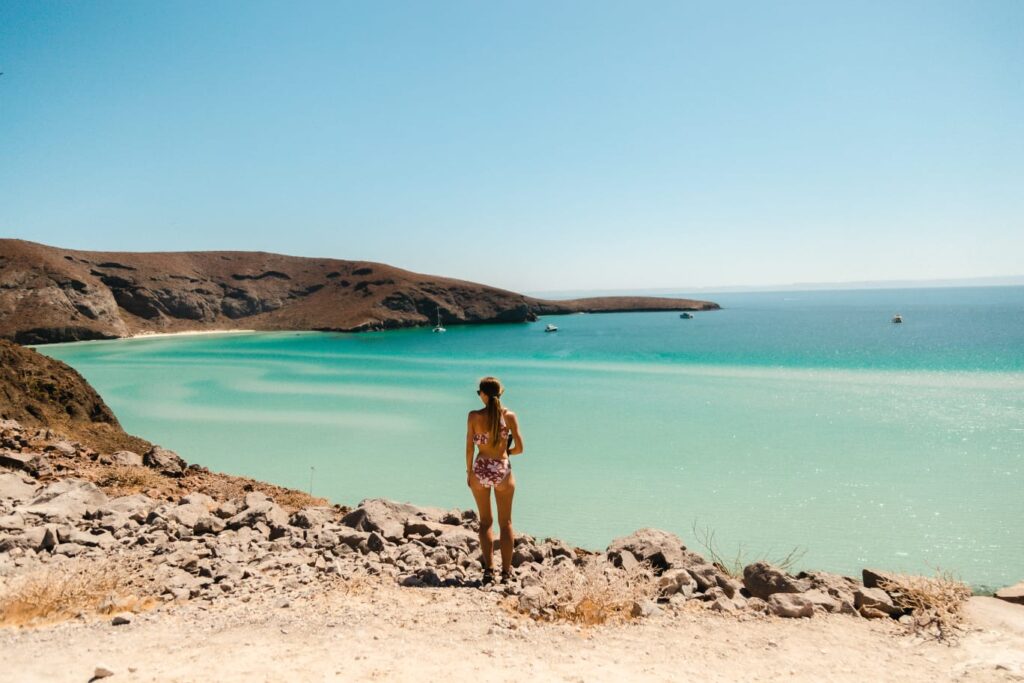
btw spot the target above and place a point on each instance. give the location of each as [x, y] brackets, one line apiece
[492, 389]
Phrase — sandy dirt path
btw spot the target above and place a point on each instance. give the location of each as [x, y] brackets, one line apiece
[384, 633]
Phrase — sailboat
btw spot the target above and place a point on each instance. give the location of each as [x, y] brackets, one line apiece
[437, 327]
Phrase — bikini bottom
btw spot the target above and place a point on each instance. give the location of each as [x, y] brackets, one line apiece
[491, 471]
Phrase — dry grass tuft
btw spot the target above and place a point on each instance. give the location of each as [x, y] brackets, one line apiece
[935, 603]
[70, 589]
[128, 479]
[594, 593]
[733, 565]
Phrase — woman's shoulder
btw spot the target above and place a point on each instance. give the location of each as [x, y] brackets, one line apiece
[508, 414]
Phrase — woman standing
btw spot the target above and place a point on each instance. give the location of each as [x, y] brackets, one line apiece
[493, 433]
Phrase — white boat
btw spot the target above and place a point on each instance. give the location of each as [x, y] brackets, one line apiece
[897, 318]
[437, 327]
[551, 328]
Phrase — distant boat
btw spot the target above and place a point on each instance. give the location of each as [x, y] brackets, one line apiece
[686, 316]
[437, 327]
[897, 318]
[551, 328]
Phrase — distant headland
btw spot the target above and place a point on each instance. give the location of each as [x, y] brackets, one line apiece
[49, 294]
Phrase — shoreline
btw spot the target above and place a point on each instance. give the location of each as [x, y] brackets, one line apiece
[187, 333]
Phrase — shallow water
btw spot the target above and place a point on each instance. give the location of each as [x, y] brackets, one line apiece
[798, 419]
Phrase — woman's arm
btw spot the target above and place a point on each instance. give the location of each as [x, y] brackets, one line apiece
[469, 447]
[517, 437]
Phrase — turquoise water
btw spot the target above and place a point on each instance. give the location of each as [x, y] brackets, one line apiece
[798, 419]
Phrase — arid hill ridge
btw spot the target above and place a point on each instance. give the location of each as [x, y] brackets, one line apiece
[48, 294]
[39, 391]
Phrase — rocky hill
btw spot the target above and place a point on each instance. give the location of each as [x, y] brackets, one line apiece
[49, 294]
[42, 392]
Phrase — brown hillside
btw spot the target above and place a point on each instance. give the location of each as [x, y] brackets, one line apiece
[49, 294]
[38, 391]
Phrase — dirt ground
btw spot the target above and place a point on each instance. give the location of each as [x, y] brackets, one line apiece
[372, 632]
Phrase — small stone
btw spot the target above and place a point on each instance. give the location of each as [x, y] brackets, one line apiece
[645, 608]
[724, 604]
[790, 605]
[101, 672]
[874, 599]
[121, 619]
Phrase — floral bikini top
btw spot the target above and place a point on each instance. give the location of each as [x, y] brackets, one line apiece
[481, 438]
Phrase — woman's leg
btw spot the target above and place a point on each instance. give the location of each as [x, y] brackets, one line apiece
[503, 493]
[482, 494]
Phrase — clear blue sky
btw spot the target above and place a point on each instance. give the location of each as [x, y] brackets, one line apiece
[531, 145]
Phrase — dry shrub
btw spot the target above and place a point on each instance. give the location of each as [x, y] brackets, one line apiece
[128, 479]
[733, 565]
[935, 603]
[67, 590]
[593, 593]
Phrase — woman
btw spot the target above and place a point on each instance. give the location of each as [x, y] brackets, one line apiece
[493, 432]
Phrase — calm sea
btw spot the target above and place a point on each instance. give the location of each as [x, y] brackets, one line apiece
[786, 420]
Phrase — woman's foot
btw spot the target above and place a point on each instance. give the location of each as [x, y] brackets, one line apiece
[506, 576]
[488, 577]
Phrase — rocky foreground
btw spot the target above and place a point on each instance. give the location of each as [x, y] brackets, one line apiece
[215, 560]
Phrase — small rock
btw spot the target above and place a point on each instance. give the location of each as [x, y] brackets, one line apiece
[762, 580]
[121, 619]
[644, 609]
[123, 458]
[101, 672]
[874, 599]
[532, 599]
[790, 605]
[724, 604]
[166, 461]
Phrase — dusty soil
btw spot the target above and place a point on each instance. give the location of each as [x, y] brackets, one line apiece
[370, 632]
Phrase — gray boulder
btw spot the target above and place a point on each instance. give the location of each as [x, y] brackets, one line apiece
[790, 605]
[533, 599]
[66, 499]
[839, 588]
[208, 524]
[165, 461]
[15, 522]
[762, 580]
[874, 603]
[136, 506]
[123, 458]
[874, 578]
[259, 509]
[661, 549]
[310, 518]
[388, 518]
[198, 499]
[188, 514]
[17, 487]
